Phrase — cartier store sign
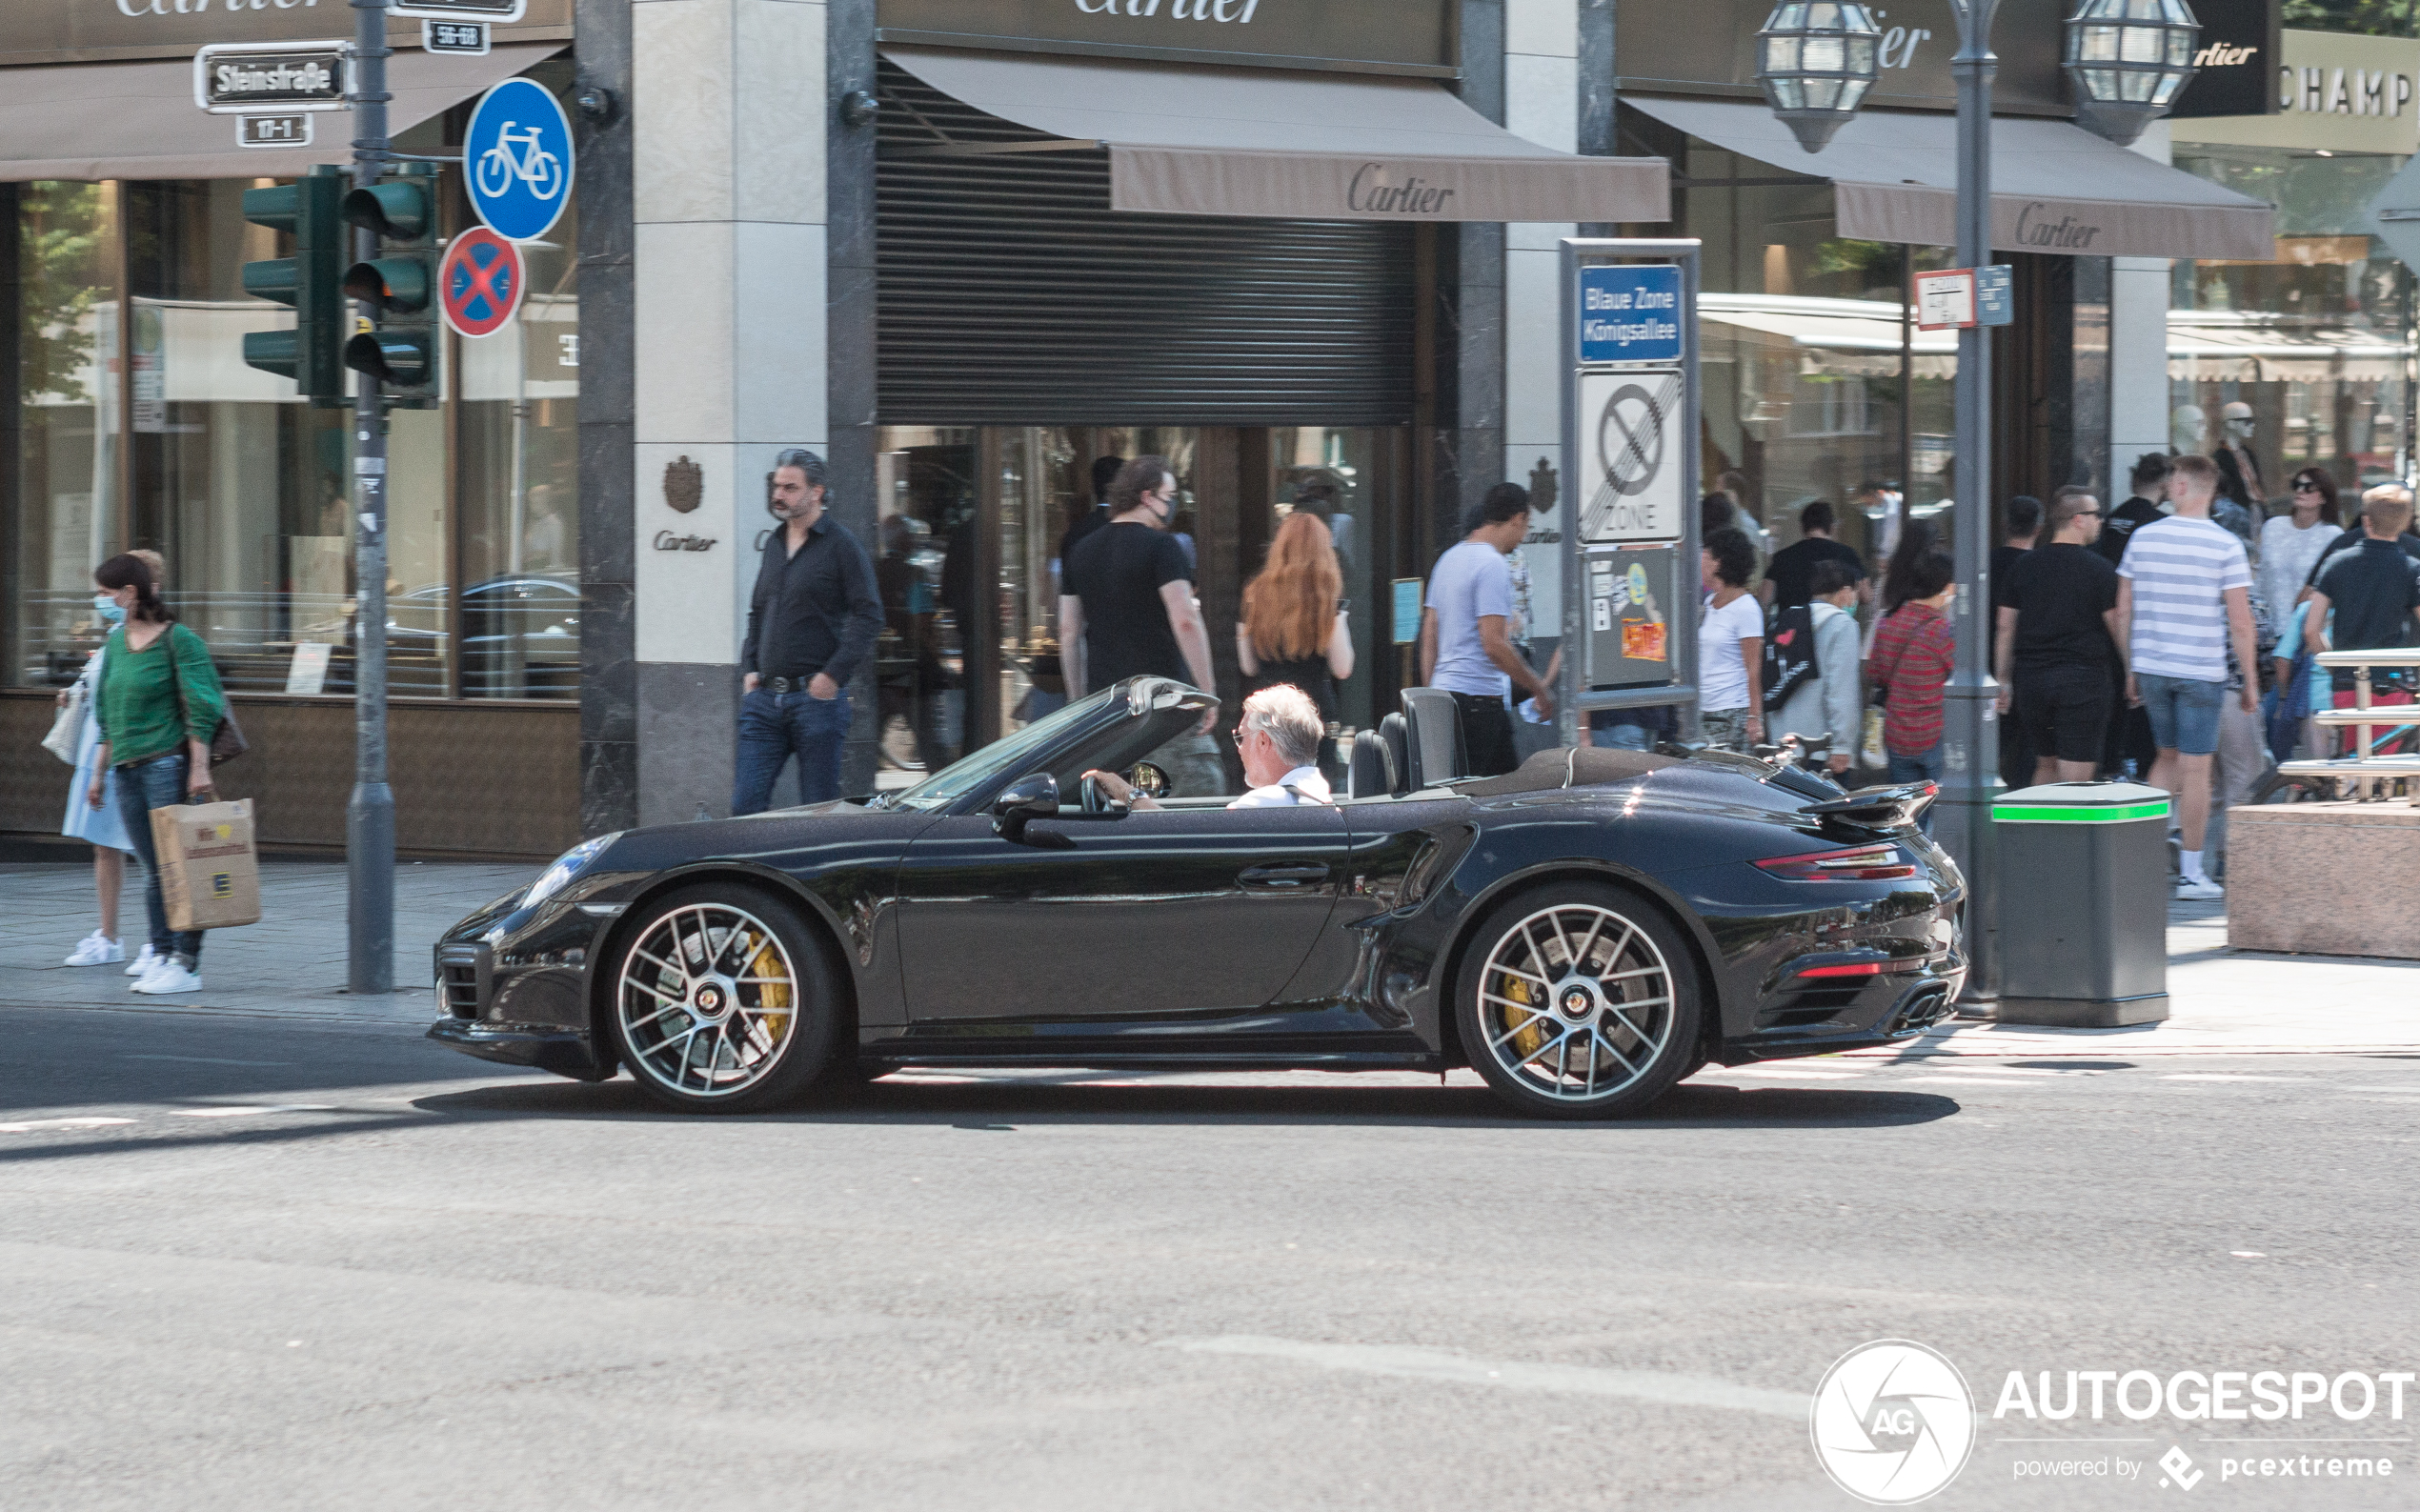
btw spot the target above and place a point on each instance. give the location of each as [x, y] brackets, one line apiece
[96, 30]
[1365, 36]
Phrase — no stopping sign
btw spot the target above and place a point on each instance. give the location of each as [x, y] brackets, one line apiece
[480, 283]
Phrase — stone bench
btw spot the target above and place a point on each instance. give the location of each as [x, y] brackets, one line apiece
[2324, 878]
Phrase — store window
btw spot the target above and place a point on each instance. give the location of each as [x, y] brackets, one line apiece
[139, 424]
[2316, 340]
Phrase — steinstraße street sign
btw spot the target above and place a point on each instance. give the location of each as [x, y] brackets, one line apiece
[1630, 313]
[516, 159]
[480, 283]
[237, 79]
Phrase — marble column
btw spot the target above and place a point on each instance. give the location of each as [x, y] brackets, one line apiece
[728, 213]
[1541, 103]
[609, 741]
[2138, 346]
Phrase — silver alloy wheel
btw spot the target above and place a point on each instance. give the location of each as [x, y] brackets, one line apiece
[1576, 1003]
[707, 1001]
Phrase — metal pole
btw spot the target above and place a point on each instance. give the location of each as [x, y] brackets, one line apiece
[370, 817]
[1971, 746]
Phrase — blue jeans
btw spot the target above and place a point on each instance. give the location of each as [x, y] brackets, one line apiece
[1923, 768]
[776, 726]
[158, 783]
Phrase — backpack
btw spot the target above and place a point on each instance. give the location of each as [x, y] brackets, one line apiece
[1789, 655]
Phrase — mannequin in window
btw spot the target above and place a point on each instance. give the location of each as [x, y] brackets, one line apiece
[2242, 496]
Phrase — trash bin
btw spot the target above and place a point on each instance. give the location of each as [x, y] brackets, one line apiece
[2082, 904]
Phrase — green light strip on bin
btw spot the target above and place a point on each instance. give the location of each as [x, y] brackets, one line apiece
[2013, 814]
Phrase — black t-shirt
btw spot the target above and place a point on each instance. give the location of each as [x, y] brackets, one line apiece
[2003, 558]
[1792, 570]
[2372, 589]
[2120, 526]
[1118, 570]
[2348, 539]
[2060, 592]
[1082, 526]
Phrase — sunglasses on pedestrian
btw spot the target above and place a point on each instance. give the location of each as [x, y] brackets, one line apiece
[2304, 485]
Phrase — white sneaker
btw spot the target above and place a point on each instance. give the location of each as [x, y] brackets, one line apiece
[143, 963]
[170, 976]
[97, 949]
[2199, 889]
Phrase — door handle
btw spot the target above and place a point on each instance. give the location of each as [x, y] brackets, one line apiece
[1298, 876]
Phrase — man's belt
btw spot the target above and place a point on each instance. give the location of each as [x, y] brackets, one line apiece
[790, 684]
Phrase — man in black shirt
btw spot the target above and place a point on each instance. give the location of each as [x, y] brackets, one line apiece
[1126, 609]
[1096, 514]
[2025, 527]
[2149, 479]
[1789, 577]
[2372, 589]
[2057, 624]
[812, 622]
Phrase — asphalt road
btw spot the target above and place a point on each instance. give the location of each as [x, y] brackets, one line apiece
[250, 1263]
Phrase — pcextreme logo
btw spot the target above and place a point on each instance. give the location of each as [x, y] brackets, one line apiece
[1893, 1423]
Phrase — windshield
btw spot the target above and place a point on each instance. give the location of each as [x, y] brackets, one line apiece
[1002, 759]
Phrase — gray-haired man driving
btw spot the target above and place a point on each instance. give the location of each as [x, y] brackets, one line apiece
[1279, 740]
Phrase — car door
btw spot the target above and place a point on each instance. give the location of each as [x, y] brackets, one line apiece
[1165, 911]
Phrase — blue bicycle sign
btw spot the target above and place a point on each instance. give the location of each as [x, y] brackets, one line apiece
[517, 159]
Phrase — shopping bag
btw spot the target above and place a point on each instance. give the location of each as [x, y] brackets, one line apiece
[1870, 752]
[209, 874]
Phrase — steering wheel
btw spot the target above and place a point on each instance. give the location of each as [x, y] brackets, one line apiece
[1094, 797]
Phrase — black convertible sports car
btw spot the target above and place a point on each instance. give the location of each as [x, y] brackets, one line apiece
[1586, 931]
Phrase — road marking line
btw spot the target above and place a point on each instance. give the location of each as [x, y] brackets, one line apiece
[1436, 1365]
[2221, 1076]
[32, 1125]
[1824, 1072]
[242, 1112]
[1968, 1080]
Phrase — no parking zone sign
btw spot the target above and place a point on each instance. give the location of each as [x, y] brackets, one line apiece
[480, 283]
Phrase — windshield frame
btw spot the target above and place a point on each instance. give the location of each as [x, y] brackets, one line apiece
[965, 785]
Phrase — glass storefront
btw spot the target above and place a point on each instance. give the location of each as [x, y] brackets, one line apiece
[2314, 340]
[1815, 380]
[962, 506]
[139, 424]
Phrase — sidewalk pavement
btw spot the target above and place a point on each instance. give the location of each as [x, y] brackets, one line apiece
[293, 964]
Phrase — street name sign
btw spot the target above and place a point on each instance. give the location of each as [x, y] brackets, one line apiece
[479, 282]
[1630, 313]
[463, 38]
[516, 159]
[233, 79]
[274, 130]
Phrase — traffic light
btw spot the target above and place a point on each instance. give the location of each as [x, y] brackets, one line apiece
[400, 349]
[310, 282]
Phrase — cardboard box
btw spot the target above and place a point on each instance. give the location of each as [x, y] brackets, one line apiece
[209, 874]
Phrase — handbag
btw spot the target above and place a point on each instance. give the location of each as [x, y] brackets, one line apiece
[227, 743]
[67, 729]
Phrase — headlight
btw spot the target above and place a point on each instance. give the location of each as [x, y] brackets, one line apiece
[567, 866]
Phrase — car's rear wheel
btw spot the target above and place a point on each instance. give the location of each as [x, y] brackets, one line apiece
[1578, 1000]
[723, 1001]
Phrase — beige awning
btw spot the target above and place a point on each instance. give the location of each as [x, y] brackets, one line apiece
[2055, 187]
[138, 120]
[1199, 140]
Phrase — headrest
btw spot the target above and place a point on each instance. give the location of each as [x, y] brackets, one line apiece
[1398, 737]
[1373, 770]
[1435, 725]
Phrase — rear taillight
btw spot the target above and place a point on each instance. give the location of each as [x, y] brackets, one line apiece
[1867, 863]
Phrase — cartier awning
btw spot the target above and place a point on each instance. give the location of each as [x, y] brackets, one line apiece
[1188, 139]
[2055, 187]
[138, 120]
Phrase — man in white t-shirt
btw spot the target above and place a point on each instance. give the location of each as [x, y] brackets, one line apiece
[1466, 637]
[2184, 594]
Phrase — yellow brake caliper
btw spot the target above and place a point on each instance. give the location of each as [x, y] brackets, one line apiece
[773, 989]
[1531, 1032]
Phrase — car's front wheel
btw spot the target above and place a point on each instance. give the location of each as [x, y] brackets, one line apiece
[722, 1001]
[1578, 1000]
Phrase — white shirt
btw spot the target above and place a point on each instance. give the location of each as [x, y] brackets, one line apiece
[2287, 556]
[1299, 786]
[1722, 671]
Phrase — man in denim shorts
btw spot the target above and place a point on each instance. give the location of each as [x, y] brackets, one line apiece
[2184, 593]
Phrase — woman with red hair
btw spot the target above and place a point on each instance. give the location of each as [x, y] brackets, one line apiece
[1294, 628]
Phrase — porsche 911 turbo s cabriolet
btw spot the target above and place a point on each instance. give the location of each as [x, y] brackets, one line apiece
[1584, 932]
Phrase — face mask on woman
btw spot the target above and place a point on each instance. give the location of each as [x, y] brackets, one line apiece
[107, 609]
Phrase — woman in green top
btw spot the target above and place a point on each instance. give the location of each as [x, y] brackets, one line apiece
[158, 705]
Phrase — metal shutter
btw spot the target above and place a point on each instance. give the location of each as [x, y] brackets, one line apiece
[1010, 293]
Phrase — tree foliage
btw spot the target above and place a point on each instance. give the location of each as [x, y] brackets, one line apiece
[64, 249]
[2384, 18]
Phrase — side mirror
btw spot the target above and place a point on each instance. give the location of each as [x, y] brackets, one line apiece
[1034, 795]
[1148, 781]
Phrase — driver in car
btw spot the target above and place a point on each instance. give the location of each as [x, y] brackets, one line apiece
[1279, 738]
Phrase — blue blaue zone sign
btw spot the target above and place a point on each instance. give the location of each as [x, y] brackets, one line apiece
[1630, 313]
[516, 159]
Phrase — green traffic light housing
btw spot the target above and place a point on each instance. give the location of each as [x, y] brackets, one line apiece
[397, 285]
[312, 353]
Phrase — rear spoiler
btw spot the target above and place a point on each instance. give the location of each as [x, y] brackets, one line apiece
[1885, 808]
